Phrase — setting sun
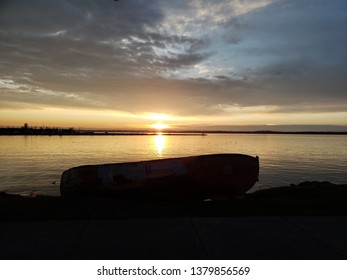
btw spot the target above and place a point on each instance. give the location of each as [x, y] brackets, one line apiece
[159, 126]
[159, 118]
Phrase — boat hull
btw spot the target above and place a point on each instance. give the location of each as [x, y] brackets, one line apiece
[196, 177]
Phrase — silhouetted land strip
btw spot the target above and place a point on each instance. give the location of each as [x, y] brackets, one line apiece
[71, 131]
[305, 199]
[25, 130]
[37, 131]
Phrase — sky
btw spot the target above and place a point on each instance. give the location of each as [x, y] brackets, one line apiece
[178, 64]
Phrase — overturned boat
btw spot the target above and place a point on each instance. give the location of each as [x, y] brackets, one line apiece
[195, 177]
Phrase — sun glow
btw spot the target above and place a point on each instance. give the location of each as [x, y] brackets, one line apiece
[159, 117]
[159, 126]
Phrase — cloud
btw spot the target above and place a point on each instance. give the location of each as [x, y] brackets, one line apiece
[184, 58]
[94, 36]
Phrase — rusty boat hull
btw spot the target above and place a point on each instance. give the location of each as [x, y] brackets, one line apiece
[195, 177]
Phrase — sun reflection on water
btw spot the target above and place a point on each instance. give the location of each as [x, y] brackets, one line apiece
[160, 143]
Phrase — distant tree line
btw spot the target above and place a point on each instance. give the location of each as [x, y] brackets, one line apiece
[33, 130]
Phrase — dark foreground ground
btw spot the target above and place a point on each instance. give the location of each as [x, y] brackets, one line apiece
[307, 221]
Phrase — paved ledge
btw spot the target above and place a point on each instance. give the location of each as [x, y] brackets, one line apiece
[267, 237]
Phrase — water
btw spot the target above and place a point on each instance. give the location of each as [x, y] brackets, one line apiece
[35, 163]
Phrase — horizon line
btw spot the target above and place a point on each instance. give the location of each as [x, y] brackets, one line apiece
[119, 131]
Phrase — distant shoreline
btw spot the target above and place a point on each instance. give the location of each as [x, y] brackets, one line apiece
[47, 131]
[153, 133]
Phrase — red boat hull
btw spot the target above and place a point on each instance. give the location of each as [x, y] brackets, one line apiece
[196, 177]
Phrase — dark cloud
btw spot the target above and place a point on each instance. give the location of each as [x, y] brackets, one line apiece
[222, 77]
[85, 34]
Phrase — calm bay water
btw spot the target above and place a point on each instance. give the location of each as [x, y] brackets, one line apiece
[35, 163]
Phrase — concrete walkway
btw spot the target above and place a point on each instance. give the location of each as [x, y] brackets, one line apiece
[177, 238]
